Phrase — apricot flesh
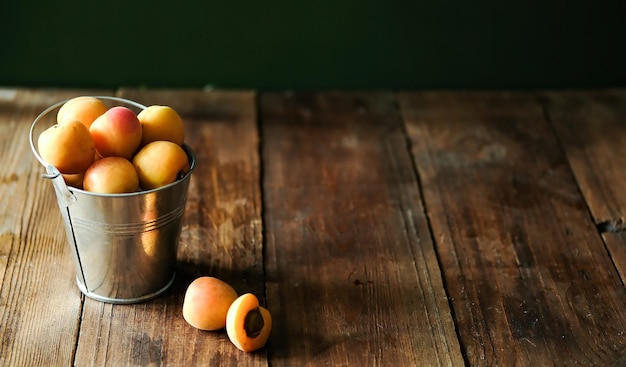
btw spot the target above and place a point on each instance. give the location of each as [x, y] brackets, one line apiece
[206, 303]
[248, 324]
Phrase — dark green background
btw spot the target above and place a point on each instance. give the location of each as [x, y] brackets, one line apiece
[314, 44]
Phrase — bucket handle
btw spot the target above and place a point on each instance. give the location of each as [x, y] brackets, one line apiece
[64, 195]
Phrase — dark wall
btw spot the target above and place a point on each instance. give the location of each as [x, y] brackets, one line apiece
[313, 44]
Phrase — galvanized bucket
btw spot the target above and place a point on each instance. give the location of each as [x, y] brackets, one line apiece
[123, 245]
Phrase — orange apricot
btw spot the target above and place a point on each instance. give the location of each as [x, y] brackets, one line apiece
[68, 146]
[248, 325]
[74, 179]
[161, 123]
[206, 303]
[84, 109]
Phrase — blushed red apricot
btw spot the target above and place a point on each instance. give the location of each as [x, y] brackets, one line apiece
[111, 175]
[206, 303]
[248, 325]
[116, 133]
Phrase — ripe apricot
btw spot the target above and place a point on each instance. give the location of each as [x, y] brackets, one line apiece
[161, 123]
[74, 179]
[68, 146]
[111, 175]
[116, 133]
[84, 109]
[206, 303]
[160, 163]
[248, 325]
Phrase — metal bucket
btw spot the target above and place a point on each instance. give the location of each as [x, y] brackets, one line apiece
[123, 245]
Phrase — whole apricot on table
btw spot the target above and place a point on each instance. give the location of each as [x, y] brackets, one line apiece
[248, 325]
[116, 133]
[69, 147]
[160, 163]
[161, 123]
[111, 175]
[84, 109]
[206, 303]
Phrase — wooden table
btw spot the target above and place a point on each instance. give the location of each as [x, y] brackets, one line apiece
[380, 228]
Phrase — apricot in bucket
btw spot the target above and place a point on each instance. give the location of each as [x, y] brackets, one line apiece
[69, 147]
[84, 109]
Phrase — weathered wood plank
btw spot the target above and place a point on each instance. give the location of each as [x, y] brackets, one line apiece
[352, 276]
[221, 237]
[528, 276]
[40, 305]
[592, 128]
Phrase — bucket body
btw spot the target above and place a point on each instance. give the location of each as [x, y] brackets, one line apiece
[123, 245]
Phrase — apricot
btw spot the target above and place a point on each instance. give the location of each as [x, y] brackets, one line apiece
[160, 163]
[74, 179]
[84, 109]
[69, 146]
[116, 133]
[161, 123]
[248, 325]
[206, 303]
[111, 175]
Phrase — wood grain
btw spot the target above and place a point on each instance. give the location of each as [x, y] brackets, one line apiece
[40, 305]
[221, 237]
[528, 276]
[592, 129]
[423, 228]
[353, 279]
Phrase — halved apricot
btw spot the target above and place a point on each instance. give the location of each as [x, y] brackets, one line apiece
[207, 301]
[248, 325]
